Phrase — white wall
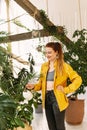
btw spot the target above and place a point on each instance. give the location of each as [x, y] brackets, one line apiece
[69, 13]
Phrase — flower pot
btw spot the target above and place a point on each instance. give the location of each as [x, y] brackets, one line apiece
[27, 127]
[39, 109]
[75, 111]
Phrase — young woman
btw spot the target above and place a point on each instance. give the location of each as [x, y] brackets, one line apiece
[53, 83]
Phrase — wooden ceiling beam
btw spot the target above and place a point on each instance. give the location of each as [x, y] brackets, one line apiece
[25, 36]
[35, 13]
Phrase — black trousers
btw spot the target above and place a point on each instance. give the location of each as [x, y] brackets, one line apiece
[55, 118]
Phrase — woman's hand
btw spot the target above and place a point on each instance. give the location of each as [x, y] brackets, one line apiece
[29, 86]
[60, 88]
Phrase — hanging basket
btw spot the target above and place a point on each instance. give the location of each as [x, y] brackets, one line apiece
[75, 112]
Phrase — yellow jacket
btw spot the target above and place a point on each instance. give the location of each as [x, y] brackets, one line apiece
[68, 72]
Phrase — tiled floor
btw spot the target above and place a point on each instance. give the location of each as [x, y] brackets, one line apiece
[39, 122]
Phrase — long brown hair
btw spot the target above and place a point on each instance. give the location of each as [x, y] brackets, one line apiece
[56, 46]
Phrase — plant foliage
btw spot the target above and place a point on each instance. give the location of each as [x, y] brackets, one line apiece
[14, 111]
[76, 55]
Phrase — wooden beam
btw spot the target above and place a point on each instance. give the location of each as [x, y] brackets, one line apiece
[35, 13]
[17, 58]
[25, 36]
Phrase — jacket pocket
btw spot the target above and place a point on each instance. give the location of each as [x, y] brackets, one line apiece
[62, 97]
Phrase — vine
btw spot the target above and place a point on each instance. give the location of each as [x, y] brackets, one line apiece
[57, 31]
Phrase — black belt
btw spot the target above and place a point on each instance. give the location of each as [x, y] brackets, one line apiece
[49, 91]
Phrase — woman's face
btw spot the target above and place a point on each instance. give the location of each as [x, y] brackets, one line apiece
[50, 54]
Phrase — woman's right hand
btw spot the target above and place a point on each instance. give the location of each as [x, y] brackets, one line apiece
[29, 86]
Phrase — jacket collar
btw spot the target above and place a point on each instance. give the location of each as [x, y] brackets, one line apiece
[55, 63]
[46, 65]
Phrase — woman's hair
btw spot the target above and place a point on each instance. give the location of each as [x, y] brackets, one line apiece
[57, 48]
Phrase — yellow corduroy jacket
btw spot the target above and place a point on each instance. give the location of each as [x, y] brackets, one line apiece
[61, 97]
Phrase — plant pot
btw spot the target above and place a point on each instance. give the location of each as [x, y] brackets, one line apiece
[27, 127]
[39, 109]
[75, 111]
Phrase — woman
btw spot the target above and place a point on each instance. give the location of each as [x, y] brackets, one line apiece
[53, 83]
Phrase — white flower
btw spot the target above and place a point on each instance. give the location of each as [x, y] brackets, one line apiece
[27, 95]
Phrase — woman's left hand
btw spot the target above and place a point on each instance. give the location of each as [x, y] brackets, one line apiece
[60, 88]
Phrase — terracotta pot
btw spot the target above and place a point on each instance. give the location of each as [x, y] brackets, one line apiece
[27, 127]
[75, 112]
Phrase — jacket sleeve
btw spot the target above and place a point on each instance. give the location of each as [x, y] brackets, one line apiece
[38, 85]
[75, 79]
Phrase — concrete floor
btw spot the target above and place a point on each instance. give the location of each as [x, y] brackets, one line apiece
[39, 122]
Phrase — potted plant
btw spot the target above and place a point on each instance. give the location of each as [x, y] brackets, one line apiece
[76, 56]
[38, 108]
[15, 108]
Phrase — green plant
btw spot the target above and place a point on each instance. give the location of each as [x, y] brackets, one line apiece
[76, 55]
[14, 110]
[37, 97]
[7, 110]
[57, 31]
[3, 36]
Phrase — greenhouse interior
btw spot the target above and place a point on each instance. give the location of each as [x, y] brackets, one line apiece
[26, 26]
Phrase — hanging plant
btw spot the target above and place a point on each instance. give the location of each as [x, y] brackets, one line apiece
[56, 31]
